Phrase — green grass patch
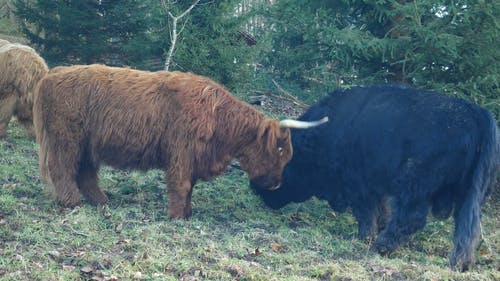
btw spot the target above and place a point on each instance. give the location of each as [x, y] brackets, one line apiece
[231, 236]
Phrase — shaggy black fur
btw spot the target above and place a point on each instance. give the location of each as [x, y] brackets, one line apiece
[416, 149]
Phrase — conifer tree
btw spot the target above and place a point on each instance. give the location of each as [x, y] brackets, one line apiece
[105, 31]
[136, 33]
[445, 45]
[212, 43]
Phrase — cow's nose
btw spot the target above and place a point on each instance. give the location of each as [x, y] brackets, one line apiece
[263, 182]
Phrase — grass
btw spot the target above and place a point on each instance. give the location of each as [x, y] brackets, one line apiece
[231, 236]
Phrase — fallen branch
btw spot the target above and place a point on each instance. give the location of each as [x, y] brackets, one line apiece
[74, 231]
[289, 96]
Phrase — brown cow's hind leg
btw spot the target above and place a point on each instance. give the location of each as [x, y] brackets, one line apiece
[87, 183]
[62, 177]
[24, 114]
[7, 106]
[28, 127]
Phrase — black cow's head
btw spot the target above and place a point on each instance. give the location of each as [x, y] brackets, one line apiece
[293, 189]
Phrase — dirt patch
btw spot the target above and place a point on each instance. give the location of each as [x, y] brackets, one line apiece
[277, 105]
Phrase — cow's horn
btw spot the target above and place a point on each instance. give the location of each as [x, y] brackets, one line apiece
[288, 123]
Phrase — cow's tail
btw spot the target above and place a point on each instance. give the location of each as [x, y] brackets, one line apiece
[468, 212]
[41, 135]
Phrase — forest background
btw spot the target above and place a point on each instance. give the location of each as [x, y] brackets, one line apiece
[309, 48]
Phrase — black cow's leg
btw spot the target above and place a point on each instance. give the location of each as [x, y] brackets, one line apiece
[467, 230]
[365, 214]
[383, 213]
[408, 216]
[372, 216]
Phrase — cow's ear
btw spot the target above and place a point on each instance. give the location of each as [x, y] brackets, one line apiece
[263, 129]
[284, 139]
[284, 134]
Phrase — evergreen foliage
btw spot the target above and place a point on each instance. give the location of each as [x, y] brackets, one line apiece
[84, 32]
[310, 47]
[136, 33]
[444, 45]
[211, 44]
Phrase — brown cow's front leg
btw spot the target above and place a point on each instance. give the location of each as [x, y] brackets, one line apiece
[179, 199]
[87, 183]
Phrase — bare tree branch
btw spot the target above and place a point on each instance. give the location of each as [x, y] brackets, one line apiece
[173, 32]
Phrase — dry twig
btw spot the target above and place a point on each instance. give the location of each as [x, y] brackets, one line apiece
[289, 96]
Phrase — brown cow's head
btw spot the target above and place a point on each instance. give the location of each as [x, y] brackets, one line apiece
[265, 158]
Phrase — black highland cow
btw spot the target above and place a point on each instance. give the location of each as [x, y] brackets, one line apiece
[422, 150]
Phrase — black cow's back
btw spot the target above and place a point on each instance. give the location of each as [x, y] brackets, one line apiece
[424, 150]
[378, 139]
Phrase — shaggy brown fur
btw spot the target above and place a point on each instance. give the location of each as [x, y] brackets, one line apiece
[3, 42]
[20, 70]
[183, 123]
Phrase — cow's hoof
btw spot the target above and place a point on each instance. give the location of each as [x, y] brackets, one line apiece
[460, 265]
[366, 234]
[382, 249]
[70, 203]
[177, 216]
[98, 199]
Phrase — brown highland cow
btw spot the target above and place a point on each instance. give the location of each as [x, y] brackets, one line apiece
[3, 42]
[20, 70]
[183, 123]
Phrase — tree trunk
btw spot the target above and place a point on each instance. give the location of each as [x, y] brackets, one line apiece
[174, 32]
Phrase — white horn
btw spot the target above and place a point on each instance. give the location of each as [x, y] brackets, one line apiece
[289, 123]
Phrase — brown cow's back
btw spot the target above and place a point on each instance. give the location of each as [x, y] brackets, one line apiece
[130, 112]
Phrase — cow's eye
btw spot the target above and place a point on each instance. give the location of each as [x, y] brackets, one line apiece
[280, 150]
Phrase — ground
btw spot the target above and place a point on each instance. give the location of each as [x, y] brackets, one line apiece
[231, 236]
